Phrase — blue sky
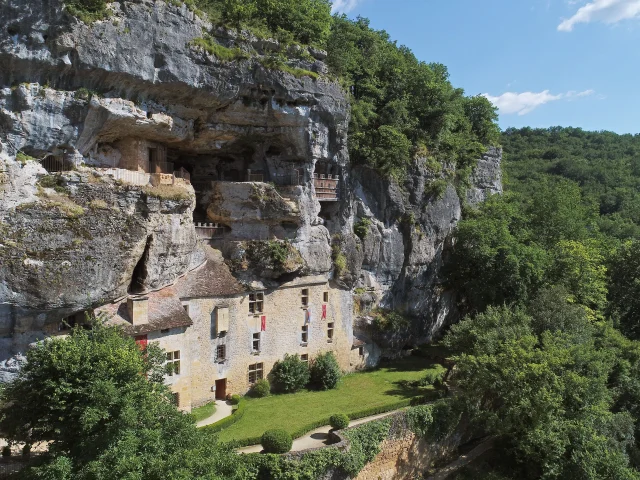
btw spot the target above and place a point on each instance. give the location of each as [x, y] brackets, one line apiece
[543, 62]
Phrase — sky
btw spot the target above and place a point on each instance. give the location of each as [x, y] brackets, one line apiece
[542, 62]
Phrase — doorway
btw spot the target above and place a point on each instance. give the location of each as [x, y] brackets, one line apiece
[221, 389]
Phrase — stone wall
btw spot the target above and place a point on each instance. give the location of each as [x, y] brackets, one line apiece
[403, 457]
[285, 316]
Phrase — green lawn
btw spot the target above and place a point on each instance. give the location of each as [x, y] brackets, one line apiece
[204, 411]
[355, 393]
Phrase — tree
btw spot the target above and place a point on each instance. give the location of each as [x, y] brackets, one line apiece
[624, 288]
[325, 371]
[290, 375]
[89, 396]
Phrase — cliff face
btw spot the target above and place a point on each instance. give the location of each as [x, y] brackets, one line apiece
[132, 92]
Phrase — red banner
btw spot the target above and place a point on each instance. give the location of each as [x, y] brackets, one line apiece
[263, 323]
[324, 312]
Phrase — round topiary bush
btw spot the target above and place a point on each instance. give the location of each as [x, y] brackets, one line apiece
[235, 399]
[6, 451]
[261, 388]
[26, 450]
[276, 441]
[325, 371]
[290, 375]
[339, 421]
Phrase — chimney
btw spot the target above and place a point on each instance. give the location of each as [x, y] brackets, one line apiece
[138, 308]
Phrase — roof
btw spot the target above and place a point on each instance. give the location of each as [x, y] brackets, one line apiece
[212, 279]
[165, 311]
[359, 341]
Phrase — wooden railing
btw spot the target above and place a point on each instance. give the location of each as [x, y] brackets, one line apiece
[209, 231]
[326, 186]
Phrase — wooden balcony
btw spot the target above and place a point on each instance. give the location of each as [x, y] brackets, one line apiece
[209, 231]
[326, 187]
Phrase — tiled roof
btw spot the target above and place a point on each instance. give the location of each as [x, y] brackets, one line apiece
[165, 311]
[213, 279]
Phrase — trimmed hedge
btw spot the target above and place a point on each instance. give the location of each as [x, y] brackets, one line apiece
[276, 441]
[237, 414]
[235, 399]
[339, 421]
[246, 442]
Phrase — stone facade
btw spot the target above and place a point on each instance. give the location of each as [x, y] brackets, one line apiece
[284, 318]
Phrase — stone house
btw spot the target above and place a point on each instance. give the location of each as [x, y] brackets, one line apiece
[225, 338]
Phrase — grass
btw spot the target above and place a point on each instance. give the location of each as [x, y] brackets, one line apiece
[277, 63]
[205, 411]
[388, 386]
[167, 192]
[221, 52]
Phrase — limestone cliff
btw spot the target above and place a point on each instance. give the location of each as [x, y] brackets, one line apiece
[114, 103]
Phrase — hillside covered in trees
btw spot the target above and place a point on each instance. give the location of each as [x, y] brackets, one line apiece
[548, 357]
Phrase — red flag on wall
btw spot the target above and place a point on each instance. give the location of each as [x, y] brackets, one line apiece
[324, 312]
[263, 323]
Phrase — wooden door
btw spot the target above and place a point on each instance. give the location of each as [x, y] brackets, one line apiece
[221, 389]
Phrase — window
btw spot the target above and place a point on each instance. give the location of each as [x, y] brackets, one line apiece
[165, 330]
[325, 297]
[305, 297]
[255, 372]
[221, 353]
[173, 360]
[305, 333]
[361, 351]
[256, 342]
[256, 302]
[186, 308]
[175, 399]
[304, 357]
[330, 332]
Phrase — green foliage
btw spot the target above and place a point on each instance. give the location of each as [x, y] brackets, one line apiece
[290, 375]
[551, 394]
[24, 158]
[6, 451]
[339, 421]
[261, 389]
[221, 52]
[278, 62]
[53, 181]
[276, 441]
[361, 228]
[389, 321]
[304, 21]
[606, 166]
[325, 371]
[403, 108]
[235, 399]
[87, 11]
[89, 396]
[624, 291]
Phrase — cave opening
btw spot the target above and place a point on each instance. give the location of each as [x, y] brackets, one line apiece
[140, 272]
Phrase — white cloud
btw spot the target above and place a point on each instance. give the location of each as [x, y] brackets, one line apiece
[522, 103]
[344, 6]
[606, 11]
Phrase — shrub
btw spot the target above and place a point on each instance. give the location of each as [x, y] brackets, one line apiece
[261, 388]
[235, 399]
[290, 375]
[339, 421]
[6, 451]
[26, 450]
[361, 228]
[325, 371]
[276, 441]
